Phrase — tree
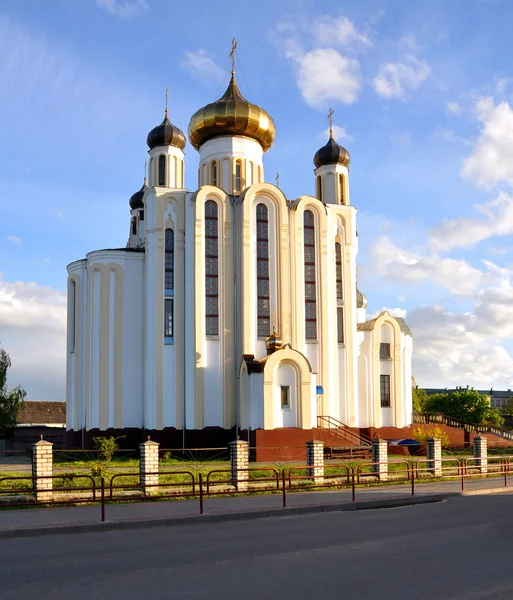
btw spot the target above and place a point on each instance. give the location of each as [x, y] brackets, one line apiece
[419, 398]
[10, 400]
[466, 405]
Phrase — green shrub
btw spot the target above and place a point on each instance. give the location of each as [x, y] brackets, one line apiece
[99, 469]
[107, 446]
[422, 433]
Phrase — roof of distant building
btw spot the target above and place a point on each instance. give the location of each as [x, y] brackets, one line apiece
[42, 412]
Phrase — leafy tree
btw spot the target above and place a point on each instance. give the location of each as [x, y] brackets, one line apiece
[466, 405]
[10, 400]
[419, 397]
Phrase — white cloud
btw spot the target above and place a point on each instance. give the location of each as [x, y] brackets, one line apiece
[330, 32]
[325, 75]
[407, 267]
[123, 8]
[14, 239]
[491, 161]
[339, 133]
[450, 136]
[394, 79]
[453, 107]
[201, 65]
[33, 332]
[466, 232]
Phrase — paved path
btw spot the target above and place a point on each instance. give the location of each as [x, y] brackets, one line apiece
[457, 550]
[52, 517]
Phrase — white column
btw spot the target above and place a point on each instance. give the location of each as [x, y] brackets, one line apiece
[481, 453]
[434, 456]
[42, 466]
[315, 460]
[239, 458]
[149, 467]
[379, 456]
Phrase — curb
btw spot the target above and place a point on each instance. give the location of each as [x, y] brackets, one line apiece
[225, 517]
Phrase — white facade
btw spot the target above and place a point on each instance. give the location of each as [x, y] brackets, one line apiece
[176, 338]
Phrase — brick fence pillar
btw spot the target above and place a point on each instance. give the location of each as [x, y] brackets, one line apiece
[42, 466]
[315, 460]
[380, 455]
[239, 459]
[149, 467]
[434, 456]
[481, 453]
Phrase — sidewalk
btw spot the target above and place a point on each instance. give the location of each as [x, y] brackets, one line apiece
[39, 521]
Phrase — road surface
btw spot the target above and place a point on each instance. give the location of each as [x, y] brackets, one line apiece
[459, 549]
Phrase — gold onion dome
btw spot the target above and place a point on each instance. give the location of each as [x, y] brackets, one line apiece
[361, 299]
[332, 154]
[232, 115]
[273, 342]
[166, 134]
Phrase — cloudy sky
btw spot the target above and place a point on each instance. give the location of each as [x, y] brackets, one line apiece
[423, 96]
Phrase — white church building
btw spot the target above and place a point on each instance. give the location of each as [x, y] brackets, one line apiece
[232, 309]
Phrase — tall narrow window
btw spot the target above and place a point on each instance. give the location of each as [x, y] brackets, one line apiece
[211, 269]
[285, 396]
[134, 226]
[340, 301]
[384, 382]
[214, 172]
[310, 287]
[168, 318]
[263, 293]
[238, 175]
[319, 188]
[162, 169]
[169, 261]
[342, 190]
[384, 351]
[169, 283]
[73, 307]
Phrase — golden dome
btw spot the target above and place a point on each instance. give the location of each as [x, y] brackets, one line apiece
[232, 114]
[273, 342]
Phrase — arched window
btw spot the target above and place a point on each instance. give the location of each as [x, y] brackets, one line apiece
[162, 169]
[263, 286]
[310, 286]
[342, 190]
[238, 175]
[340, 301]
[73, 308]
[213, 168]
[319, 188]
[134, 226]
[211, 269]
[169, 283]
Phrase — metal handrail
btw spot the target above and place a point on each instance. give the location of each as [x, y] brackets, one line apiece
[424, 418]
[343, 431]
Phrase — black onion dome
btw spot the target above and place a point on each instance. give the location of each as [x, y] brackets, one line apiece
[136, 201]
[332, 154]
[166, 134]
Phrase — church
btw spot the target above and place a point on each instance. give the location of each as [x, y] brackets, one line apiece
[233, 309]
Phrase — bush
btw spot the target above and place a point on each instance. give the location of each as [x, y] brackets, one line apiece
[99, 469]
[421, 434]
[107, 446]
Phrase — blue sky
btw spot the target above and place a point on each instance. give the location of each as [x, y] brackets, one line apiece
[422, 96]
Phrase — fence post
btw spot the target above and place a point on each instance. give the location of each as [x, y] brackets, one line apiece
[42, 466]
[149, 467]
[481, 453]
[315, 460]
[434, 456]
[380, 455]
[239, 459]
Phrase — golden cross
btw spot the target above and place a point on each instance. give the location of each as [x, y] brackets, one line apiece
[232, 54]
[277, 179]
[331, 112]
[167, 92]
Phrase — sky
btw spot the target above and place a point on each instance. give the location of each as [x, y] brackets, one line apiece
[423, 101]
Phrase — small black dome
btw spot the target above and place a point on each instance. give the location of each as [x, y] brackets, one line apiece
[166, 134]
[136, 201]
[332, 154]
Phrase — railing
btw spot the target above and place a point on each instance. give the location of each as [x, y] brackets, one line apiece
[343, 432]
[433, 417]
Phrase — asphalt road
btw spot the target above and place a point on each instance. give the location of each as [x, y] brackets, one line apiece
[460, 549]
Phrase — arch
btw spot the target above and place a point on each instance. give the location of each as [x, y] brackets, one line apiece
[342, 189]
[211, 268]
[319, 187]
[214, 173]
[238, 176]
[162, 170]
